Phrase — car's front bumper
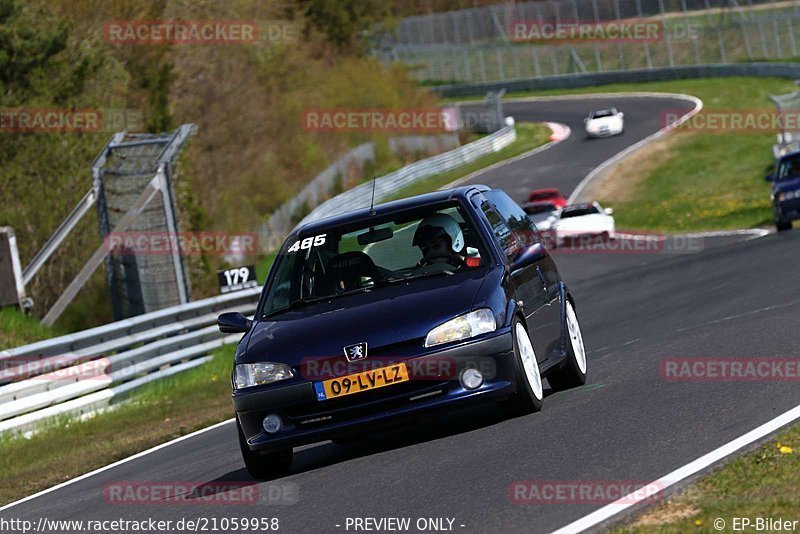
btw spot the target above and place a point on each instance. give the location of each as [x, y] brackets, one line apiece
[787, 210]
[308, 420]
[608, 132]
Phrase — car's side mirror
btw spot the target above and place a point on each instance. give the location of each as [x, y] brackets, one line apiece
[608, 211]
[621, 115]
[233, 323]
[528, 256]
[770, 177]
[586, 120]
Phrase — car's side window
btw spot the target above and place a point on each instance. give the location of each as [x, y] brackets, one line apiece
[508, 242]
[514, 216]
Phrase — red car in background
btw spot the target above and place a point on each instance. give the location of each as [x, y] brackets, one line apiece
[553, 196]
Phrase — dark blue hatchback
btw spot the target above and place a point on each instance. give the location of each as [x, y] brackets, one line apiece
[421, 304]
[786, 191]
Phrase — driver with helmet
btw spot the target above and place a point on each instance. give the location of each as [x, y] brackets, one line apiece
[441, 240]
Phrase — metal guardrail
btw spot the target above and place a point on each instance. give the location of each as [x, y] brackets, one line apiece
[78, 373]
[386, 186]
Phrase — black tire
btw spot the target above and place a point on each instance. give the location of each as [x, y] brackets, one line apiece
[524, 401]
[783, 226]
[264, 466]
[569, 375]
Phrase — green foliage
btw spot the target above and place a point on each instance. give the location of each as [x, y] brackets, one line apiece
[341, 21]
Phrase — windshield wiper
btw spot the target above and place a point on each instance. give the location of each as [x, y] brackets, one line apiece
[310, 300]
[419, 275]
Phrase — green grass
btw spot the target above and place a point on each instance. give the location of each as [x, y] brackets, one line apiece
[157, 412]
[17, 329]
[763, 483]
[529, 136]
[709, 181]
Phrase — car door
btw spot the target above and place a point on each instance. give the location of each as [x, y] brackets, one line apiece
[538, 283]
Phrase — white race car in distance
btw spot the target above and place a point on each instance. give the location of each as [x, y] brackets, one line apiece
[584, 220]
[604, 122]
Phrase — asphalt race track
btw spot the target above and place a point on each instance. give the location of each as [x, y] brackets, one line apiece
[737, 299]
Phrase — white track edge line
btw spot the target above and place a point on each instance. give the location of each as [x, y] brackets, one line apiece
[116, 464]
[692, 468]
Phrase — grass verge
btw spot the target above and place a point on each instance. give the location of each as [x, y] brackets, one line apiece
[157, 412]
[763, 483]
[17, 329]
[706, 180]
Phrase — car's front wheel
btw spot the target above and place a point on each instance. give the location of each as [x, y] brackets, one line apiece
[573, 372]
[782, 226]
[530, 392]
[264, 466]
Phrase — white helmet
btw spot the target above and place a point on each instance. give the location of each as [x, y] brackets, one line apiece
[436, 225]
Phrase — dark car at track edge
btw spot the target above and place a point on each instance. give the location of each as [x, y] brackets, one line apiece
[786, 190]
[371, 318]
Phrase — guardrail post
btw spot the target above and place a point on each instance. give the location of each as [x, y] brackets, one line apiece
[12, 290]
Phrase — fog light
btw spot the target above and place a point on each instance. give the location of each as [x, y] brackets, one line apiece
[471, 379]
[273, 423]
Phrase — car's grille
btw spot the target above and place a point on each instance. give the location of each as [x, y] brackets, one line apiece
[364, 403]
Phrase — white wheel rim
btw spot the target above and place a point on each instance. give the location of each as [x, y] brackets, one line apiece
[529, 363]
[575, 338]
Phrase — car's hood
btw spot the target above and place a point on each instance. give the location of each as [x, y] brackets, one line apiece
[787, 185]
[392, 320]
[608, 122]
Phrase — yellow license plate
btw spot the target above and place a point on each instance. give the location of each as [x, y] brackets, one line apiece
[363, 381]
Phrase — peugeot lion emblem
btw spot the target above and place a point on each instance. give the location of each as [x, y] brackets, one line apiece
[356, 352]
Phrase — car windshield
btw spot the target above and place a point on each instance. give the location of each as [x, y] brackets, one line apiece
[789, 168]
[542, 195]
[374, 253]
[577, 211]
[604, 113]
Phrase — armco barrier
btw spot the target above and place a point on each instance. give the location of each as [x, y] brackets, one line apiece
[386, 186]
[658, 74]
[117, 358]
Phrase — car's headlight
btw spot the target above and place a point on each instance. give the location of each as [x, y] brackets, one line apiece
[247, 375]
[463, 327]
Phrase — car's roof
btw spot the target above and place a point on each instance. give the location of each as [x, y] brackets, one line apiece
[361, 214]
